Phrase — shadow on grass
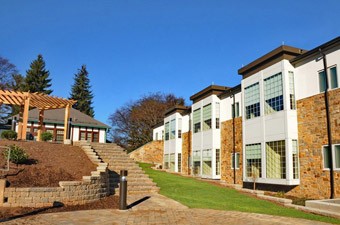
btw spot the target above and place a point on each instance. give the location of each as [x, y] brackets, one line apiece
[34, 212]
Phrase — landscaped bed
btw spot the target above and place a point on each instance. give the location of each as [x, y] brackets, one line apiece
[48, 164]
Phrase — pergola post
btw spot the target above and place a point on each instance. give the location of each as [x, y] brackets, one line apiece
[20, 122]
[67, 116]
[25, 118]
[41, 123]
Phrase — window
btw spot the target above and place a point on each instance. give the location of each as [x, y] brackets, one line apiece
[95, 137]
[218, 159]
[60, 136]
[172, 162]
[166, 161]
[196, 156]
[336, 157]
[167, 131]
[235, 164]
[332, 79]
[207, 117]
[179, 162]
[276, 159]
[179, 128]
[292, 90]
[253, 157]
[295, 160]
[172, 129]
[217, 110]
[206, 162]
[273, 94]
[197, 120]
[235, 110]
[156, 136]
[252, 101]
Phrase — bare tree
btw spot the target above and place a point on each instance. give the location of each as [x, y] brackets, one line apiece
[132, 124]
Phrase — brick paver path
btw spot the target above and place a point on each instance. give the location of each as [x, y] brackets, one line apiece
[158, 210]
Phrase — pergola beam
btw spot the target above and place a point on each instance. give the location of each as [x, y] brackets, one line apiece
[35, 100]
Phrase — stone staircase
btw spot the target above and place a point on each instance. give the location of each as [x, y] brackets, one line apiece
[117, 160]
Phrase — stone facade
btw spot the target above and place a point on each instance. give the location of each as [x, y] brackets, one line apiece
[151, 152]
[90, 189]
[227, 173]
[186, 153]
[314, 180]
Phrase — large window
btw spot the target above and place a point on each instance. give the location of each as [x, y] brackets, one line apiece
[291, 90]
[218, 161]
[276, 159]
[89, 135]
[235, 161]
[253, 157]
[166, 161]
[206, 162]
[217, 110]
[172, 129]
[273, 94]
[207, 117]
[295, 160]
[166, 127]
[197, 120]
[252, 101]
[336, 157]
[196, 156]
[332, 79]
[179, 162]
[180, 128]
[235, 110]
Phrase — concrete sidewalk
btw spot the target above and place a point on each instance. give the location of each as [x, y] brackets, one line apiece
[157, 209]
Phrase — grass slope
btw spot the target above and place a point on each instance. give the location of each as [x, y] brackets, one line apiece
[199, 194]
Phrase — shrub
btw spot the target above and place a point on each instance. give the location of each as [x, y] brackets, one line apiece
[46, 136]
[17, 156]
[9, 134]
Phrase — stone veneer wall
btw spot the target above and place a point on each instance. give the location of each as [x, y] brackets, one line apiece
[91, 188]
[151, 152]
[314, 180]
[227, 173]
[186, 153]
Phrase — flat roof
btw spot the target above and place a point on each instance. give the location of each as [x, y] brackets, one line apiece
[177, 108]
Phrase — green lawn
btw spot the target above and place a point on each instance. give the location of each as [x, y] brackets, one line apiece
[198, 194]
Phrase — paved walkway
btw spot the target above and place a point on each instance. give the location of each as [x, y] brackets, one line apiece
[157, 209]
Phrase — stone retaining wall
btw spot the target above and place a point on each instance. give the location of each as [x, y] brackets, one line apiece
[91, 188]
[151, 152]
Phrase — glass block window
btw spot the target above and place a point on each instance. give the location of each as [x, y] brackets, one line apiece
[253, 158]
[172, 129]
[180, 128]
[166, 127]
[235, 110]
[273, 94]
[196, 156]
[295, 159]
[217, 111]
[276, 159]
[179, 162]
[252, 101]
[235, 163]
[292, 90]
[197, 120]
[207, 117]
[218, 161]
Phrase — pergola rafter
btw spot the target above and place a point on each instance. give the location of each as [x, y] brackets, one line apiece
[35, 100]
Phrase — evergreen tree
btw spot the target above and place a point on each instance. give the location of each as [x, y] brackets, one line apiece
[81, 92]
[37, 77]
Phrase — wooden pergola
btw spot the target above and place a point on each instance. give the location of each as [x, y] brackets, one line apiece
[35, 100]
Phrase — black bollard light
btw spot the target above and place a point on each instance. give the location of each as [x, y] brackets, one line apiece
[123, 189]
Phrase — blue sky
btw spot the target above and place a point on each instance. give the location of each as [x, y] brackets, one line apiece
[135, 47]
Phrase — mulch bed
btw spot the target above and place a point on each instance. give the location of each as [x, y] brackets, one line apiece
[48, 164]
